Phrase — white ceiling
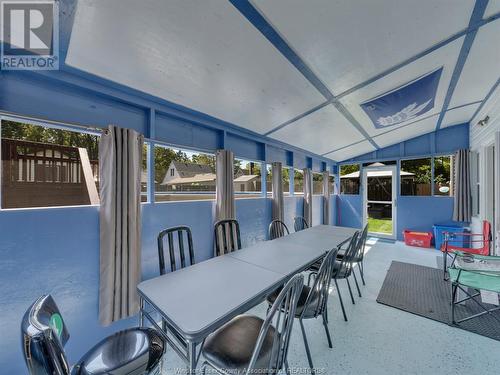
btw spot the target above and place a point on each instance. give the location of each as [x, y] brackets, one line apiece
[348, 41]
[207, 56]
[492, 8]
[445, 57]
[319, 131]
[351, 151]
[481, 67]
[200, 54]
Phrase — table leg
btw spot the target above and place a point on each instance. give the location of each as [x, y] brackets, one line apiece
[192, 357]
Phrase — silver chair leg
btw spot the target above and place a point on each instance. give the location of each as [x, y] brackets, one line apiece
[350, 290]
[308, 352]
[362, 272]
[340, 299]
[325, 324]
[356, 281]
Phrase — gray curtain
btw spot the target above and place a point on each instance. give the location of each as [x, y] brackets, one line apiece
[277, 184]
[224, 202]
[326, 198]
[120, 168]
[462, 208]
[308, 196]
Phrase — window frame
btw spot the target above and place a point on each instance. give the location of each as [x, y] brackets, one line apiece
[256, 194]
[155, 144]
[360, 166]
[95, 131]
[431, 157]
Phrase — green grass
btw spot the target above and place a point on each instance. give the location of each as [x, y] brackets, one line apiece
[380, 225]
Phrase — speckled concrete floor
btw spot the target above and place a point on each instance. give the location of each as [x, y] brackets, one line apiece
[379, 339]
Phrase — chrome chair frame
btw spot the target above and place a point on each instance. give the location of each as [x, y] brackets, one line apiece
[229, 231]
[277, 229]
[321, 286]
[280, 318]
[299, 223]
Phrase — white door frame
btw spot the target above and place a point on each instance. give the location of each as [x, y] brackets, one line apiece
[364, 184]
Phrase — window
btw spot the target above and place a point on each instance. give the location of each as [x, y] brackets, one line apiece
[247, 179]
[442, 175]
[415, 177]
[269, 179]
[193, 177]
[317, 183]
[45, 167]
[331, 184]
[285, 175]
[298, 181]
[144, 175]
[349, 179]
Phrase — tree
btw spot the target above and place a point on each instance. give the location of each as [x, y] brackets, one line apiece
[36, 133]
[348, 168]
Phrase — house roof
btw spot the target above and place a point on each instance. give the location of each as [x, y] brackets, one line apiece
[191, 169]
[199, 178]
[246, 178]
[376, 174]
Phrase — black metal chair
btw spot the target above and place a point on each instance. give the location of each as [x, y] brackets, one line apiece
[360, 255]
[249, 345]
[227, 236]
[175, 245]
[299, 223]
[43, 333]
[342, 269]
[175, 238]
[313, 301]
[277, 229]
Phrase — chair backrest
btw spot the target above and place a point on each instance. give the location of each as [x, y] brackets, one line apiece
[345, 263]
[227, 236]
[43, 335]
[279, 319]
[321, 286]
[361, 244]
[277, 229]
[176, 246]
[299, 223]
[487, 238]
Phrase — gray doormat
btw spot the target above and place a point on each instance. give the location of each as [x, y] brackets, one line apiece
[422, 291]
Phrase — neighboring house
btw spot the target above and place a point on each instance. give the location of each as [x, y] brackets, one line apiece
[247, 183]
[182, 176]
[189, 177]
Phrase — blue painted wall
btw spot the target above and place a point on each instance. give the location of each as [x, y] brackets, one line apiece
[56, 251]
[416, 213]
[421, 213]
[350, 210]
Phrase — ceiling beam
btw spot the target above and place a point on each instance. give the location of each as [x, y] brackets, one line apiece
[476, 17]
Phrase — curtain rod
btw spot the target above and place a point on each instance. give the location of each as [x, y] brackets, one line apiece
[94, 130]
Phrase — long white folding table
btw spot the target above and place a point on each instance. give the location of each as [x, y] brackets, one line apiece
[196, 300]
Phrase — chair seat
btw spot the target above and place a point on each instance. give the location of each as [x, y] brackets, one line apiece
[130, 352]
[309, 313]
[476, 279]
[231, 346]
